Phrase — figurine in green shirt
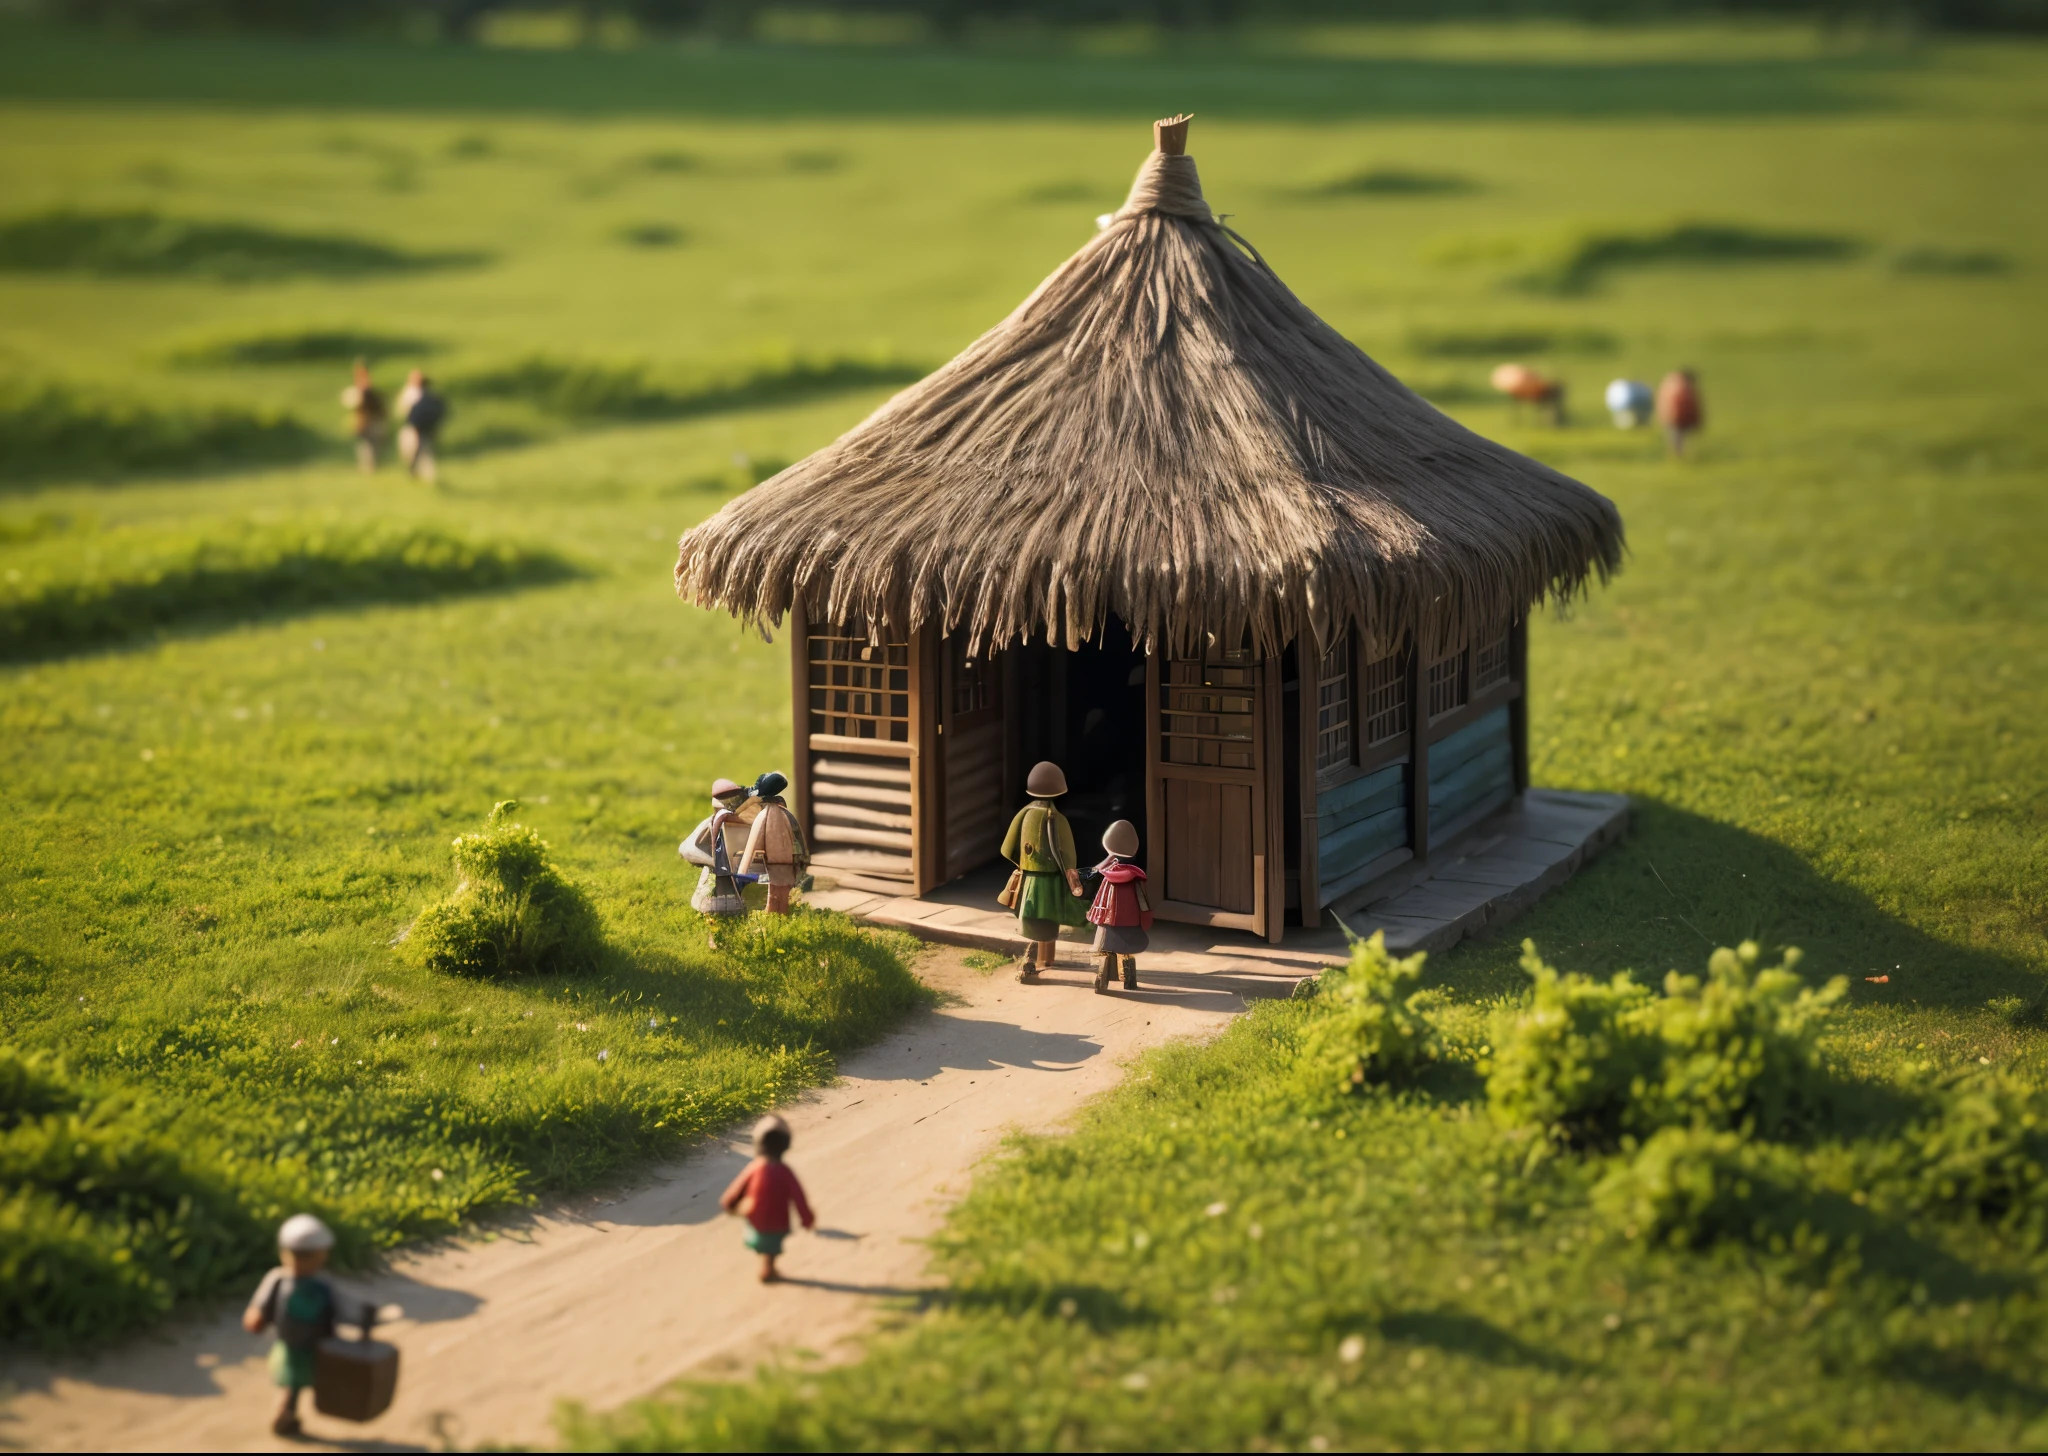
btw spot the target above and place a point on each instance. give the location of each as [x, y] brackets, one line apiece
[1040, 844]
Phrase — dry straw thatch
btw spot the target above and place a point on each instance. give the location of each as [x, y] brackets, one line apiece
[1163, 432]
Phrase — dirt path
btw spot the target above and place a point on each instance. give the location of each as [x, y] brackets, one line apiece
[608, 1298]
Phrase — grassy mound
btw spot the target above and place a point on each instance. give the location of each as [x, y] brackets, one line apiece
[1234, 1253]
[1507, 341]
[301, 346]
[511, 913]
[155, 1165]
[54, 431]
[1393, 182]
[128, 583]
[1582, 264]
[639, 392]
[147, 244]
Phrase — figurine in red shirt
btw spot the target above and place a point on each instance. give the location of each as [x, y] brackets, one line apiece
[1121, 914]
[763, 1193]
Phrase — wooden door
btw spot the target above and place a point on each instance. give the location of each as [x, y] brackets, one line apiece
[974, 811]
[1212, 752]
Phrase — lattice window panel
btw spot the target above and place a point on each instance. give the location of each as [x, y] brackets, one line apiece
[1333, 706]
[859, 689]
[976, 681]
[1386, 699]
[1450, 683]
[1490, 660]
[1209, 709]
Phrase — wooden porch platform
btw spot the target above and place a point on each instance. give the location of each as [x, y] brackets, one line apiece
[1490, 874]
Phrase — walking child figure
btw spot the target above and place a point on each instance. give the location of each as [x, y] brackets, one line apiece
[1045, 891]
[298, 1302]
[1678, 408]
[366, 413]
[1121, 914]
[763, 1194]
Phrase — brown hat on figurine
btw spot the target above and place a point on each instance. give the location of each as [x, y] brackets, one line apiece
[727, 789]
[1046, 781]
[1121, 839]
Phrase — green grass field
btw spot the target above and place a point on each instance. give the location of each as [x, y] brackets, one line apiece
[652, 276]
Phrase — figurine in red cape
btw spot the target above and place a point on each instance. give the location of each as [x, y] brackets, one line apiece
[1121, 914]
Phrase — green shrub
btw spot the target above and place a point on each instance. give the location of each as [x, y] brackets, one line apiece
[1738, 1047]
[110, 1214]
[1689, 1186]
[511, 913]
[1983, 1152]
[1368, 1028]
[124, 584]
[1594, 1062]
[1576, 1058]
[56, 430]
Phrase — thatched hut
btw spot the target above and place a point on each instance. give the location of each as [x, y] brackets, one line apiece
[1167, 527]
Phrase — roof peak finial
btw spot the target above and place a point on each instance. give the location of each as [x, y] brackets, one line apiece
[1170, 134]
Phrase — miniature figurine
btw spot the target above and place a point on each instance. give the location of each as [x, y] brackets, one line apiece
[1121, 914]
[297, 1302]
[763, 1193]
[1045, 890]
[1678, 407]
[365, 405]
[719, 888]
[777, 841]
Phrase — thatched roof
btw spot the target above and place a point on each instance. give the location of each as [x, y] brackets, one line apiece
[1162, 432]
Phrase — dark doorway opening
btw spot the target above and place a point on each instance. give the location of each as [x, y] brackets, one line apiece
[1085, 710]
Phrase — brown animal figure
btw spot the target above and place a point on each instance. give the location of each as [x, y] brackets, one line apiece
[1678, 407]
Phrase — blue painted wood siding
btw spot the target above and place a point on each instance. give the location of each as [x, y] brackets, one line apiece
[1471, 771]
[1358, 822]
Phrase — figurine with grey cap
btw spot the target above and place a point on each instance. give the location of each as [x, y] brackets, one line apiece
[298, 1303]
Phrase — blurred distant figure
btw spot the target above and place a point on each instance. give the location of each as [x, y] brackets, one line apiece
[1630, 402]
[423, 409]
[1678, 407]
[367, 415]
[1519, 382]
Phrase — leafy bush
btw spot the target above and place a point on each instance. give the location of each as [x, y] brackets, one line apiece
[1738, 1048]
[109, 1217]
[1690, 1186]
[1595, 1062]
[148, 244]
[54, 430]
[1370, 1028]
[1983, 1152]
[1577, 1057]
[636, 391]
[512, 912]
[127, 583]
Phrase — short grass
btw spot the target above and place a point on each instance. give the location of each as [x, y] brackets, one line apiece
[1823, 674]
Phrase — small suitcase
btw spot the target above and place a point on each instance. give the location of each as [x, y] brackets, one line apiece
[354, 1379]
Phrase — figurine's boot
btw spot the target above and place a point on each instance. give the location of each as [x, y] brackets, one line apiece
[1130, 973]
[1104, 974]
